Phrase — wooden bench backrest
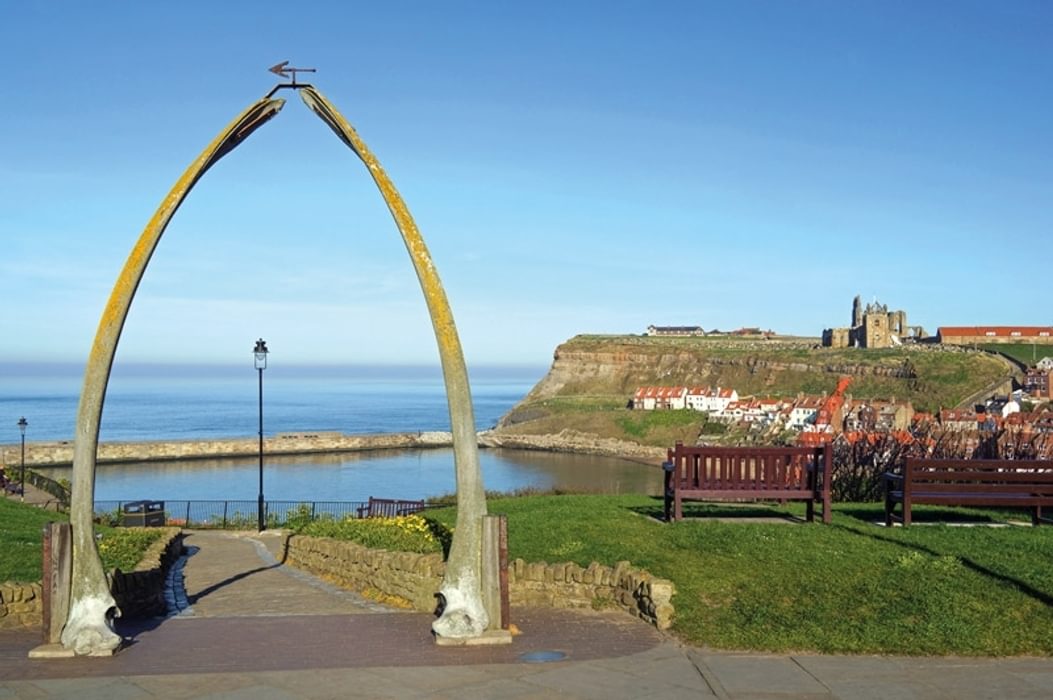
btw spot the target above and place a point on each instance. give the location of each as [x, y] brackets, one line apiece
[994, 476]
[390, 507]
[745, 468]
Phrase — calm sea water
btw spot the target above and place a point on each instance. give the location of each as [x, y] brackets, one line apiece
[158, 403]
[153, 402]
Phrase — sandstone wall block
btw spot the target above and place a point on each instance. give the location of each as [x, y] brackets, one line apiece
[416, 577]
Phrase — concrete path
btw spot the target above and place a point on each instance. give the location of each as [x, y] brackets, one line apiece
[244, 626]
[33, 495]
[229, 574]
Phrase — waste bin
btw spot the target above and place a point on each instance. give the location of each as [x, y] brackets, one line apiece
[144, 514]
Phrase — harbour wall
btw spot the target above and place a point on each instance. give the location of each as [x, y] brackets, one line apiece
[58, 454]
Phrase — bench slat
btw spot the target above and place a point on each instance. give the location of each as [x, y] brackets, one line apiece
[930, 487]
[983, 476]
[746, 494]
[970, 483]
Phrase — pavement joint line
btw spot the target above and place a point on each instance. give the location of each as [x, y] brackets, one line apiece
[798, 664]
[710, 678]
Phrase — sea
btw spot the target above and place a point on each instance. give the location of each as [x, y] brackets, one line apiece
[186, 402]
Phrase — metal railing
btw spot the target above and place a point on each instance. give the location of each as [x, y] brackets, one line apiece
[236, 514]
[50, 487]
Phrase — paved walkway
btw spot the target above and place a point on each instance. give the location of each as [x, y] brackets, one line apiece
[33, 495]
[241, 574]
[244, 626]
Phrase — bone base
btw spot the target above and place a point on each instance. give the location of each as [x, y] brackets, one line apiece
[488, 638]
[88, 631]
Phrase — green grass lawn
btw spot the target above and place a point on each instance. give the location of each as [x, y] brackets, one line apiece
[21, 542]
[1028, 353]
[850, 587]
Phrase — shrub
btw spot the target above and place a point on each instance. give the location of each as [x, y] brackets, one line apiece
[124, 547]
[405, 533]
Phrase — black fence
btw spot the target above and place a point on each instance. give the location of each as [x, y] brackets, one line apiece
[234, 514]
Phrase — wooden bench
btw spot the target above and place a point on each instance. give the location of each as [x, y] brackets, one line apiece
[970, 482]
[389, 508]
[748, 473]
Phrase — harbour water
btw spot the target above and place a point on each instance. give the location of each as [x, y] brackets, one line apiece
[414, 474]
[155, 403]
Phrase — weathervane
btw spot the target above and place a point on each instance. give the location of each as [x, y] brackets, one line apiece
[283, 69]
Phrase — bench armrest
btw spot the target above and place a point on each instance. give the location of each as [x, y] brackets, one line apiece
[890, 478]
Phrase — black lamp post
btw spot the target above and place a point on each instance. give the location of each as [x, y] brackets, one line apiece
[260, 355]
[22, 423]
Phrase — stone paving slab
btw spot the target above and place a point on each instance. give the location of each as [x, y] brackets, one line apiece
[242, 574]
[296, 642]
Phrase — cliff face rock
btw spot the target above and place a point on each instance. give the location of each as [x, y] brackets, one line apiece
[596, 373]
[576, 442]
[620, 370]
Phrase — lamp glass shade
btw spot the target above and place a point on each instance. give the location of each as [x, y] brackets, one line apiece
[260, 354]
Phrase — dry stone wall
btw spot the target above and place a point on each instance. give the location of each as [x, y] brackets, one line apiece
[141, 593]
[414, 578]
[21, 605]
[138, 593]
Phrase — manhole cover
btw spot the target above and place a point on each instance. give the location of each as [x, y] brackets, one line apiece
[540, 657]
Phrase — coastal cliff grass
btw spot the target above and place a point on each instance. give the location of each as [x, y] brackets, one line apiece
[614, 366]
[21, 542]
[600, 417]
[851, 587]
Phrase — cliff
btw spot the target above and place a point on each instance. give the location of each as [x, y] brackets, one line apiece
[593, 378]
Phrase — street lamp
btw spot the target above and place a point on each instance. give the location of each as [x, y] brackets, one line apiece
[22, 423]
[260, 356]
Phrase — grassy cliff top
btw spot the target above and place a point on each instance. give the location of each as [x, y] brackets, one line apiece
[594, 377]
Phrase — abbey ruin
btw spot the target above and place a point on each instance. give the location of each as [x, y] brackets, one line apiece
[872, 327]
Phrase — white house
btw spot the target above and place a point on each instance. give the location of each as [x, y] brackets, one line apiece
[804, 412]
[712, 400]
[675, 330]
[650, 398]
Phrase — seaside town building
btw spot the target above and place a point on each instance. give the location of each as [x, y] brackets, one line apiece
[817, 420]
[804, 412]
[982, 335]
[650, 398]
[957, 421]
[675, 330]
[1039, 383]
[710, 399]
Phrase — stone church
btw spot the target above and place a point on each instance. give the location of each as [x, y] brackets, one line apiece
[872, 327]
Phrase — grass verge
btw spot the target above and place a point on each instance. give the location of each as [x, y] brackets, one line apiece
[850, 587]
[21, 541]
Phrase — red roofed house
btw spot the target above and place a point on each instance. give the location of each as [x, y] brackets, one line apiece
[1039, 383]
[958, 420]
[805, 411]
[972, 335]
[650, 398]
[710, 399]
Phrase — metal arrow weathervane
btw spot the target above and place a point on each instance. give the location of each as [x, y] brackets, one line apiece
[284, 69]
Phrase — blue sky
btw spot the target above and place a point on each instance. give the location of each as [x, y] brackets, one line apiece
[574, 168]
